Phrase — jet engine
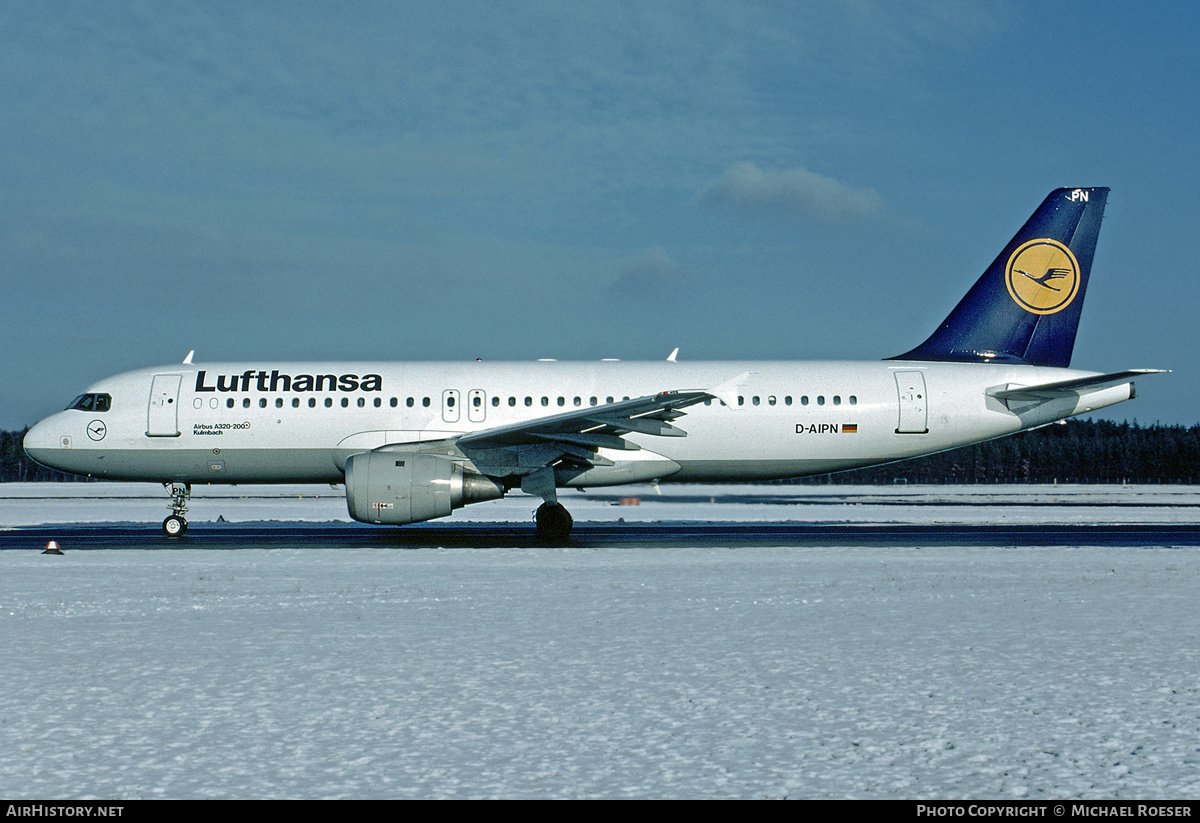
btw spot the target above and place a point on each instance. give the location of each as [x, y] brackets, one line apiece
[396, 487]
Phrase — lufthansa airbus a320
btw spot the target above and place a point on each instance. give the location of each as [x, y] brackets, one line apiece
[415, 441]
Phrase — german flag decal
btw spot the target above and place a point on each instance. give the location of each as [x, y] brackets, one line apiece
[849, 428]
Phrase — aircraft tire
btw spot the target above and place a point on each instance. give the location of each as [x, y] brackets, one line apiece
[554, 522]
[174, 526]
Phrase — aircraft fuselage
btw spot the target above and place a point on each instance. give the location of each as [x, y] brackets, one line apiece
[299, 422]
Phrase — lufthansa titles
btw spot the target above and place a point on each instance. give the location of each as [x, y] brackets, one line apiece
[274, 381]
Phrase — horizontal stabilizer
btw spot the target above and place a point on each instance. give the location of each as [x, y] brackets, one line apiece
[1049, 391]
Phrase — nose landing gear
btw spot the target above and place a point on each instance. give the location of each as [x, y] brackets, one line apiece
[175, 525]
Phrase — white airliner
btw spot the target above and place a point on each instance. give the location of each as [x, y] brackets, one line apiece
[414, 441]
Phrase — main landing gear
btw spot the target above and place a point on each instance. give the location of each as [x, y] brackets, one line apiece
[176, 525]
[553, 522]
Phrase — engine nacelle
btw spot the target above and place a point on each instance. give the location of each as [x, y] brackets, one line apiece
[408, 487]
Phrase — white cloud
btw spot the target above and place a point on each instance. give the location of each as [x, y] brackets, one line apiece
[796, 192]
[652, 274]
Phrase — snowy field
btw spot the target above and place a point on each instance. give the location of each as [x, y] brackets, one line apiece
[29, 504]
[948, 672]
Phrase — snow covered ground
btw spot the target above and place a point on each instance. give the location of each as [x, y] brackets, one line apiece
[27, 504]
[948, 672]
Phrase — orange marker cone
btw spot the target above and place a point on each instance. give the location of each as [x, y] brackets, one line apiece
[52, 548]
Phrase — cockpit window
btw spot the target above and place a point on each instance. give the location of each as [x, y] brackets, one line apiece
[92, 402]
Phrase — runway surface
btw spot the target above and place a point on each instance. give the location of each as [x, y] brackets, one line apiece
[595, 535]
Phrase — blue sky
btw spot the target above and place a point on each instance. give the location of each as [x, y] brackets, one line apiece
[451, 180]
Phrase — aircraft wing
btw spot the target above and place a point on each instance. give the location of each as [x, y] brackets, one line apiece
[576, 436]
[1049, 391]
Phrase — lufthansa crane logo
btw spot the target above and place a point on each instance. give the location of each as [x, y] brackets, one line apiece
[1042, 276]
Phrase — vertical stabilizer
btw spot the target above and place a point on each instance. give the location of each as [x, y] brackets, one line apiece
[1025, 308]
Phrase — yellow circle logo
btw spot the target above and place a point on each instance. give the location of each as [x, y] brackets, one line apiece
[1042, 276]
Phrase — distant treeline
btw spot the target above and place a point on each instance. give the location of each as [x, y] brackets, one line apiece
[16, 467]
[1077, 451]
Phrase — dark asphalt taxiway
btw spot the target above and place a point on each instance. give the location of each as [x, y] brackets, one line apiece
[597, 535]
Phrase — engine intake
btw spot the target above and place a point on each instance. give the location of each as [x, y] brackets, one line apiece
[408, 487]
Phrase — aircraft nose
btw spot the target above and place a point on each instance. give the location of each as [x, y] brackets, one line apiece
[42, 442]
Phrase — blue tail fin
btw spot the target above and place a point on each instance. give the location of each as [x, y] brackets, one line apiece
[1025, 308]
